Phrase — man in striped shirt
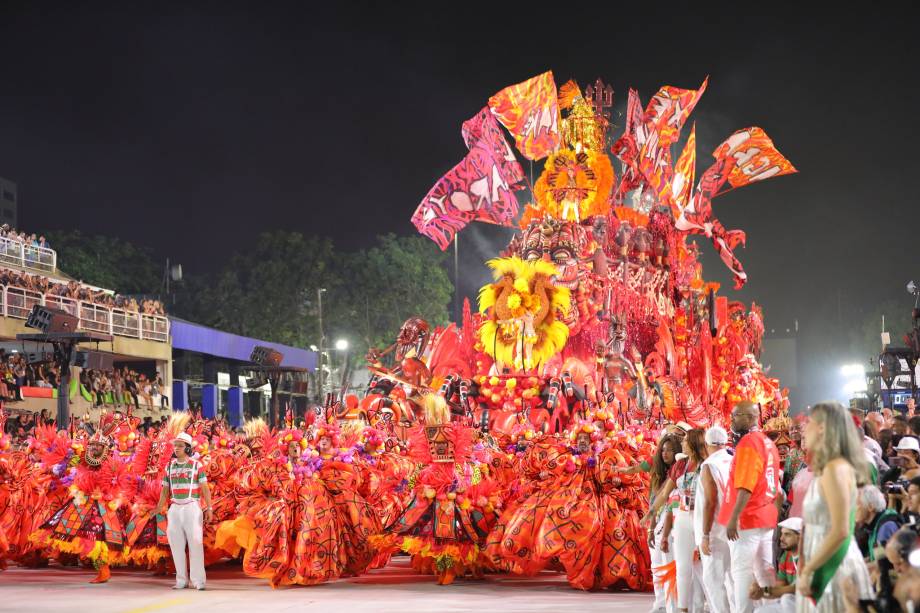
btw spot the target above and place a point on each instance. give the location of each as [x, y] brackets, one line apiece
[184, 484]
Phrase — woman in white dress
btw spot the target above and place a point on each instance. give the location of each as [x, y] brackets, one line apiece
[830, 556]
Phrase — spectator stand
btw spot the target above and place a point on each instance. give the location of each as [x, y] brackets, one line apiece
[27, 254]
[213, 368]
[97, 310]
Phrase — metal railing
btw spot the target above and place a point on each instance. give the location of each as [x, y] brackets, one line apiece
[16, 253]
[17, 303]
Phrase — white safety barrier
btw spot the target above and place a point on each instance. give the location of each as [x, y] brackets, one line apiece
[17, 303]
[17, 253]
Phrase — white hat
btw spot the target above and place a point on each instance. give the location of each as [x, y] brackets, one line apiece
[908, 443]
[793, 523]
[184, 437]
[716, 435]
[684, 426]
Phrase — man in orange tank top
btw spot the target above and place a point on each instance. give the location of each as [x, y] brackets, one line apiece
[751, 506]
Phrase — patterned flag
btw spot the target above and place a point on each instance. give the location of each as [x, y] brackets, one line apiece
[747, 156]
[626, 148]
[530, 111]
[668, 110]
[664, 118]
[684, 175]
[756, 158]
[478, 188]
[483, 129]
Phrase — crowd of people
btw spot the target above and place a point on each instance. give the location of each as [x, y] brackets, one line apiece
[824, 508]
[123, 387]
[76, 290]
[24, 238]
[816, 513]
[17, 372]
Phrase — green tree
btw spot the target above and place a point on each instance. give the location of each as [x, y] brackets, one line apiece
[379, 288]
[267, 291]
[107, 262]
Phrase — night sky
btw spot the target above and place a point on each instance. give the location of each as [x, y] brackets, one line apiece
[193, 128]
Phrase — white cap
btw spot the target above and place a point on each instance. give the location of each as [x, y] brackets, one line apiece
[716, 435]
[793, 523]
[908, 443]
[684, 426]
[184, 437]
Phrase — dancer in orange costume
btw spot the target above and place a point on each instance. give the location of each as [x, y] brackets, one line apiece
[624, 558]
[355, 517]
[88, 524]
[561, 519]
[301, 517]
[23, 486]
[454, 500]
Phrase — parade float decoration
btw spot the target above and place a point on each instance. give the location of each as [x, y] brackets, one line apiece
[598, 302]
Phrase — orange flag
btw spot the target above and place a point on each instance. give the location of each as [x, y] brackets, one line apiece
[684, 175]
[530, 111]
[668, 111]
[755, 158]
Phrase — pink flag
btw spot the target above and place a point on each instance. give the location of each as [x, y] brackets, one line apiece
[480, 187]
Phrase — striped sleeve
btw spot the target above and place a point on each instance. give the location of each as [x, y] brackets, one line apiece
[201, 477]
[749, 467]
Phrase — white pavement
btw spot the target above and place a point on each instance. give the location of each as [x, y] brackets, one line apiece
[394, 589]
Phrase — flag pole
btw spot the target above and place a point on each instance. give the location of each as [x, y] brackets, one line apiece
[457, 278]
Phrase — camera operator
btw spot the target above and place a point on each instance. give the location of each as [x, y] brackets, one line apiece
[906, 464]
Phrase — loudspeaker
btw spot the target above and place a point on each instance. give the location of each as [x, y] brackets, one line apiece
[265, 356]
[94, 360]
[48, 320]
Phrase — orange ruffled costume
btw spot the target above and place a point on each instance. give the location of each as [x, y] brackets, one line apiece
[300, 523]
[579, 514]
[453, 505]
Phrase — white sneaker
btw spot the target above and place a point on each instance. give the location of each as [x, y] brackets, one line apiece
[179, 586]
[200, 588]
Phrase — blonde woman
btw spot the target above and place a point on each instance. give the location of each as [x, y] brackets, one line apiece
[830, 556]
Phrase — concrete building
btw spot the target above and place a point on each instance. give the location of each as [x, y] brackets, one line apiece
[8, 203]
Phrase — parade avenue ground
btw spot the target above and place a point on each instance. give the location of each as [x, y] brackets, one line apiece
[394, 589]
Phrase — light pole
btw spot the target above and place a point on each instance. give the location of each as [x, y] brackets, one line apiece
[319, 300]
[342, 345]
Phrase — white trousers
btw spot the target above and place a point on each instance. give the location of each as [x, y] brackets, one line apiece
[751, 558]
[659, 558]
[185, 527]
[689, 571]
[783, 604]
[717, 580]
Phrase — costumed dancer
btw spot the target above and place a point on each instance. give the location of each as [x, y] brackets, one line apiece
[286, 522]
[560, 520]
[678, 494]
[355, 519]
[453, 504]
[23, 487]
[659, 542]
[624, 559]
[88, 524]
[183, 485]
